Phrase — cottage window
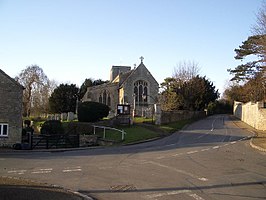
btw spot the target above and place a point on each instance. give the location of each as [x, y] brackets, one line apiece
[4, 130]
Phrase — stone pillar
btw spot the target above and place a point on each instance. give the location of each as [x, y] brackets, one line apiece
[158, 114]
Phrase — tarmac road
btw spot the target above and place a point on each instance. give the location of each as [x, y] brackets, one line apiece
[210, 159]
[21, 189]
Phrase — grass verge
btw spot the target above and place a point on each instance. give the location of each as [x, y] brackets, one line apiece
[134, 133]
[137, 132]
[175, 126]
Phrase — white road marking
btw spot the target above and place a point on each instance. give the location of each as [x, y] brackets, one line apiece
[216, 147]
[48, 169]
[213, 124]
[191, 152]
[203, 179]
[178, 154]
[17, 172]
[205, 149]
[72, 169]
[179, 171]
[204, 134]
[233, 142]
[195, 196]
[153, 196]
[42, 171]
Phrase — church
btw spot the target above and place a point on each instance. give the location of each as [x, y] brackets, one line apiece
[135, 87]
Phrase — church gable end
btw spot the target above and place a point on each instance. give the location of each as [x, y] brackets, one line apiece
[140, 87]
[136, 87]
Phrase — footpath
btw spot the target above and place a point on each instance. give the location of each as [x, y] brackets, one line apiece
[258, 141]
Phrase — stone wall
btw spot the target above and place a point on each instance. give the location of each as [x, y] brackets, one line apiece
[165, 117]
[10, 109]
[254, 114]
[111, 89]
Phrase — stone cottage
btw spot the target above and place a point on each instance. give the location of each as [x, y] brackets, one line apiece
[135, 87]
[10, 110]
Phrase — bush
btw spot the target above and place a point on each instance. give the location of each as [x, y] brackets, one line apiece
[74, 128]
[92, 111]
[52, 127]
[27, 122]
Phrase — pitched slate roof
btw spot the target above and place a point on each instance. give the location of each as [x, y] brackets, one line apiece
[128, 74]
[11, 79]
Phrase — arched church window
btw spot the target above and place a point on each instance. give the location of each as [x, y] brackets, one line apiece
[136, 93]
[104, 97]
[109, 100]
[100, 99]
[141, 91]
[145, 93]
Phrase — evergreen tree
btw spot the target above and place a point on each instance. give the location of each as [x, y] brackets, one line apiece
[194, 94]
[254, 45]
[252, 73]
[64, 99]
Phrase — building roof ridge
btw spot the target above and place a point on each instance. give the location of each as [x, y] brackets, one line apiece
[11, 79]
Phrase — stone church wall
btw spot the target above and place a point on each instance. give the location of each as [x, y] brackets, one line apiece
[93, 94]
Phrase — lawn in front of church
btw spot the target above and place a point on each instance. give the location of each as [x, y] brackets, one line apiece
[143, 130]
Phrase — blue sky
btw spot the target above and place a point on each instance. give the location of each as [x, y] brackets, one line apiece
[76, 39]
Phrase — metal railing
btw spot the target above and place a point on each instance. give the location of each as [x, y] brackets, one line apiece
[123, 133]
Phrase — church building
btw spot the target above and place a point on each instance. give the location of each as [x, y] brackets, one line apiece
[135, 87]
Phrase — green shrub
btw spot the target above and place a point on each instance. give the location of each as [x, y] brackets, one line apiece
[52, 127]
[78, 128]
[27, 122]
[92, 111]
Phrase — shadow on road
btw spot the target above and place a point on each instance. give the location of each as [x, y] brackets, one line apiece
[231, 185]
[209, 131]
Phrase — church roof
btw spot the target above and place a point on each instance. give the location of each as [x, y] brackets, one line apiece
[123, 77]
[127, 75]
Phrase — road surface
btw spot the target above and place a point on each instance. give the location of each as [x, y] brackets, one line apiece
[210, 159]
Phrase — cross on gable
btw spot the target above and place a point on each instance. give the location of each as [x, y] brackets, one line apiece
[141, 59]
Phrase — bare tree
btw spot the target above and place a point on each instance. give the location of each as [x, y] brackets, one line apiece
[185, 71]
[41, 96]
[259, 28]
[36, 86]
